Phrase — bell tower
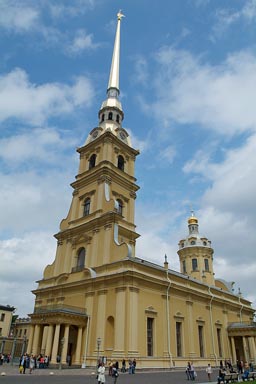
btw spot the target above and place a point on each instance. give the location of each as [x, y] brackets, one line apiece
[99, 228]
[196, 254]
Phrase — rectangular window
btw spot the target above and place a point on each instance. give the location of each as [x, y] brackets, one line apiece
[1, 329]
[178, 338]
[201, 340]
[194, 264]
[2, 316]
[150, 340]
[184, 266]
[206, 265]
[219, 341]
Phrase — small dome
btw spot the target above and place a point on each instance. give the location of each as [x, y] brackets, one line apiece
[192, 220]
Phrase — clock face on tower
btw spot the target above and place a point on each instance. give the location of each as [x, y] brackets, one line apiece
[122, 136]
[95, 134]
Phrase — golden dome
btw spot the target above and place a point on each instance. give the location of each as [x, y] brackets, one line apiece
[192, 219]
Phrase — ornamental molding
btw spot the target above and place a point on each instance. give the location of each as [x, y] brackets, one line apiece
[87, 194]
[104, 179]
[133, 195]
[151, 311]
[120, 289]
[119, 195]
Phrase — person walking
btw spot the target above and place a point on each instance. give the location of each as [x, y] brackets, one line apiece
[31, 364]
[209, 372]
[115, 373]
[123, 366]
[188, 369]
[101, 374]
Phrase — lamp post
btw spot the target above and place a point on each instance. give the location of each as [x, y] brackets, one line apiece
[3, 344]
[61, 350]
[98, 352]
[24, 345]
[13, 350]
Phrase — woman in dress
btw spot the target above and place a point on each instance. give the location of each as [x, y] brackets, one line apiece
[31, 363]
[101, 374]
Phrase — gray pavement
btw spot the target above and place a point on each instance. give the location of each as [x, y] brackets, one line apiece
[87, 376]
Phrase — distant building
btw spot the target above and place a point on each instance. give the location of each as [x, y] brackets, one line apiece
[21, 328]
[6, 313]
[97, 299]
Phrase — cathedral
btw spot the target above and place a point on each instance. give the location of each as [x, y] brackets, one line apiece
[98, 300]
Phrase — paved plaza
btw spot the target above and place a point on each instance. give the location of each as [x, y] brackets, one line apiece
[87, 376]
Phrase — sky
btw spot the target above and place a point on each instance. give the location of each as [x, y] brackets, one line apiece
[188, 91]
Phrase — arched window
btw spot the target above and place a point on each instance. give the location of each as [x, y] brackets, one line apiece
[120, 207]
[120, 162]
[184, 266]
[110, 116]
[206, 265]
[92, 161]
[87, 204]
[194, 264]
[102, 117]
[80, 259]
[117, 118]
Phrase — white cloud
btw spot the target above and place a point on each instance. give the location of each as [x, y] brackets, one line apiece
[73, 9]
[23, 261]
[81, 42]
[17, 16]
[168, 154]
[140, 74]
[34, 104]
[228, 211]
[20, 148]
[219, 97]
[233, 185]
[227, 17]
[34, 199]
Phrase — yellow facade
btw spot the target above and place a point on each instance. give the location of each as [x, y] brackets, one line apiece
[6, 313]
[98, 299]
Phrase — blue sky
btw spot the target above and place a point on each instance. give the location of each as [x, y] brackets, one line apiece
[188, 91]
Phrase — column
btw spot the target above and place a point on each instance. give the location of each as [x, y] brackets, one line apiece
[48, 347]
[44, 338]
[78, 346]
[133, 321]
[35, 346]
[101, 318]
[87, 347]
[64, 346]
[55, 344]
[252, 349]
[30, 340]
[246, 357]
[190, 323]
[233, 350]
[120, 319]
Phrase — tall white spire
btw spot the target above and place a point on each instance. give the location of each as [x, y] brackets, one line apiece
[111, 113]
[114, 71]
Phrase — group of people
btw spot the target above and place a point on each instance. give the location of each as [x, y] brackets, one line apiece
[190, 371]
[225, 369]
[242, 368]
[31, 362]
[113, 370]
[5, 358]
